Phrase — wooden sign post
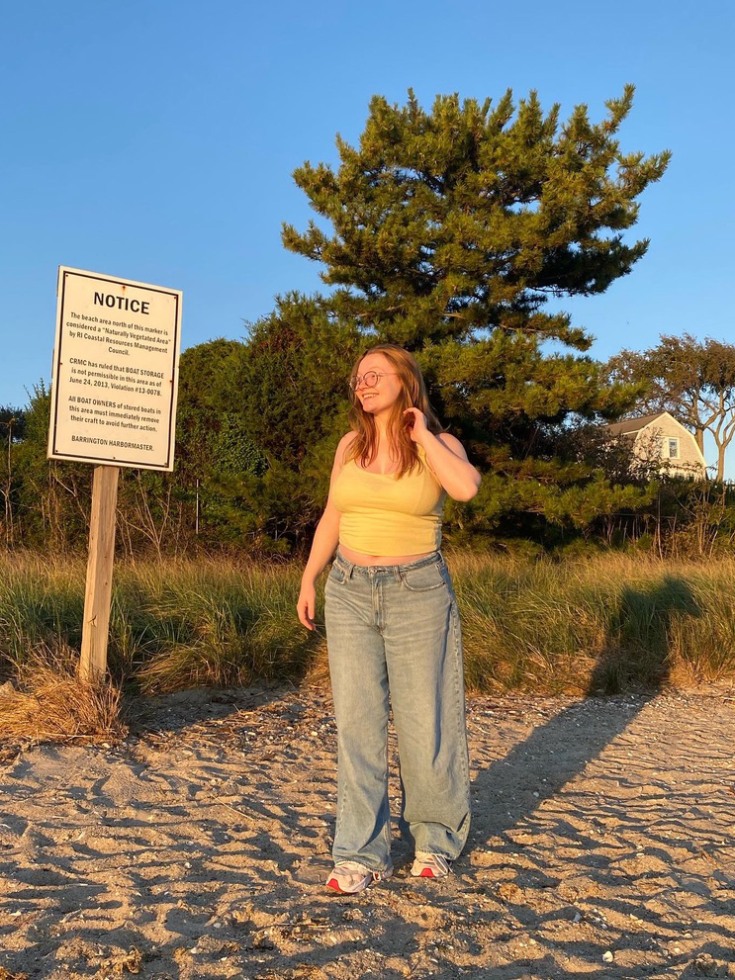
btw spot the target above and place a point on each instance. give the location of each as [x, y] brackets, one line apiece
[113, 403]
[98, 592]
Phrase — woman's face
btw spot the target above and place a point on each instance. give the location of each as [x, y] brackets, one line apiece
[380, 396]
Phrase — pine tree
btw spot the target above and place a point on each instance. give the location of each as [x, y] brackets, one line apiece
[450, 232]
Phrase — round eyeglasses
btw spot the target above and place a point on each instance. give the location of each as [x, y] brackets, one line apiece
[370, 379]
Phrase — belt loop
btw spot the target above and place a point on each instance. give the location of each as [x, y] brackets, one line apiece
[347, 565]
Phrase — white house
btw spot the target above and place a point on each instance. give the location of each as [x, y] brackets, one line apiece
[661, 437]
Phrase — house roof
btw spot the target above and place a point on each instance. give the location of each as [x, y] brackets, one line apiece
[633, 425]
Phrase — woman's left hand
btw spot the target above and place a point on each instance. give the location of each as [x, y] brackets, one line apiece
[445, 457]
[415, 423]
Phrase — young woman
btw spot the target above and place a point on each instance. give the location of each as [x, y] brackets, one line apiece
[393, 631]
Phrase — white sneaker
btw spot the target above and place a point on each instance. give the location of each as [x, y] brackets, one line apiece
[430, 865]
[350, 877]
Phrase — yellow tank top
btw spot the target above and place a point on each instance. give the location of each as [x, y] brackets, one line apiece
[382, 514]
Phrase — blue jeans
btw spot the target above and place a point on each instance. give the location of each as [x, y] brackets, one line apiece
[394, 641]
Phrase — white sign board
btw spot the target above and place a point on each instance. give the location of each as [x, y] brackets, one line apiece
[115, 371]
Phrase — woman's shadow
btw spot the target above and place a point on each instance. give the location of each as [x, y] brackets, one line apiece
[632, 668]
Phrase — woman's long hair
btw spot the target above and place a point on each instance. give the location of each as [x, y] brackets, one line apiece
[413, 395]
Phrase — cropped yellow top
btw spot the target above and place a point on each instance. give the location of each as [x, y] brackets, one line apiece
[382, 514]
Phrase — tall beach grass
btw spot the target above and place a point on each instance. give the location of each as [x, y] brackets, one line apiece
[603, 624]
[607, 623]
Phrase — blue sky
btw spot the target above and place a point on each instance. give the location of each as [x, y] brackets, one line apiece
[155, 140]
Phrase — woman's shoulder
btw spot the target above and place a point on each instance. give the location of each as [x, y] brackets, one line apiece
[346, 441]
[343, 447]
[452, 442]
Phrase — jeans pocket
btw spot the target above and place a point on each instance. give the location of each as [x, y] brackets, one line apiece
[337, 575]
[424, 578]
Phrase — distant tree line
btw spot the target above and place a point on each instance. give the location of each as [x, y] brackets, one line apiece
[448, 232]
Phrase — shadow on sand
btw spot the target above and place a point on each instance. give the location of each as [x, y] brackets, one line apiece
[562, 748]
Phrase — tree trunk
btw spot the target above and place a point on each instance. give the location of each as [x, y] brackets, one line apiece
[721, 463]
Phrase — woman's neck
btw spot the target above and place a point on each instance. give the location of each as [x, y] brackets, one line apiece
[381, 427]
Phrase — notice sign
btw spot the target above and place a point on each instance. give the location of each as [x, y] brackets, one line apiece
[115, 371]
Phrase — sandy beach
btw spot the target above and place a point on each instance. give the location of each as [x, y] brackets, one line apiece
[603, 845]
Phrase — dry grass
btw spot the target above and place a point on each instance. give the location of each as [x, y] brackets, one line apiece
[603, 623]
[49, 703]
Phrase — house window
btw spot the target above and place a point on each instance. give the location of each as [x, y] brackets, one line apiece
[673, 448]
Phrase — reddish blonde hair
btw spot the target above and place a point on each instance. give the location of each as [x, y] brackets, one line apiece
[413, 394]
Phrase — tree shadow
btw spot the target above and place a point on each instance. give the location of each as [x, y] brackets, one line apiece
[621, 840]
[639, 646]
[527, 801]
[633, 667]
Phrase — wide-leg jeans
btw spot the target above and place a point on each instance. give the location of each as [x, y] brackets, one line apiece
[394, 642]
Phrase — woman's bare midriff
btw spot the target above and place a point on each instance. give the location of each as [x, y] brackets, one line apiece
[358, 558]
